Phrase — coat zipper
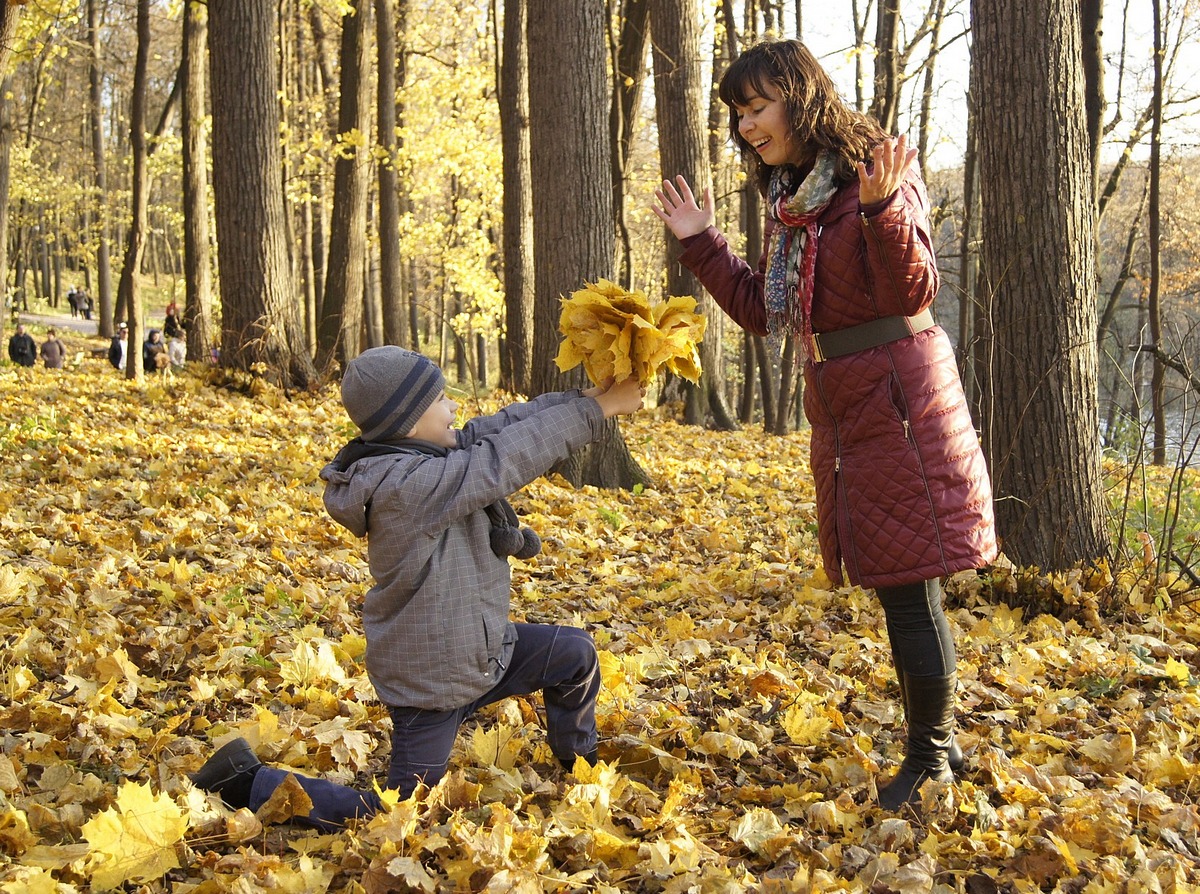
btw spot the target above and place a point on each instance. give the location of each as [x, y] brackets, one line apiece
[841, 511]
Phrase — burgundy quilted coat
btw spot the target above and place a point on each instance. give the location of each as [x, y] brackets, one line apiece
[903, 493]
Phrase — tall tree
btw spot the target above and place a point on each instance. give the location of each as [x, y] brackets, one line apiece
[629, 79]
[128, 290]
[885, 101]
[1042, 431]
[100, 167]
[338, 335]
[572, 199]
[197, 260]
[1091, 18]
[516, 362]
[391, 284]
[10, 16]
[260, 326]
[1154, 303]
[679, 95]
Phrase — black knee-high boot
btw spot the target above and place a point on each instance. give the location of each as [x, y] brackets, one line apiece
[954, 757]
[930, 710]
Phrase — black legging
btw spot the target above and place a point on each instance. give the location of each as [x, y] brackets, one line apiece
[920, 635]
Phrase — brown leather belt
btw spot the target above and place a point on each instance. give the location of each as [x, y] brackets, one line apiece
[827, 345]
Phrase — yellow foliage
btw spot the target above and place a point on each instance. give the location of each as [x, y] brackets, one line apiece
[170, 580]
[617, 334]
[136, 839]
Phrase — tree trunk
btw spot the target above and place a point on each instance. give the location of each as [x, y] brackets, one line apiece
[517, 361]
[10, 16]
[391, 278]
[1091, 16]
[96, 119]
[1039, 261]
[571, 168]
[6, 141]
[885, 102]
[937, 14]
[629, 78]
[338, 333]
[260, 327]
[679, 94]
[197, 260]
[1154, 211]
[128, 290]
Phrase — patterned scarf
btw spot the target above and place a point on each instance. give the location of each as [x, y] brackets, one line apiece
[792, 253]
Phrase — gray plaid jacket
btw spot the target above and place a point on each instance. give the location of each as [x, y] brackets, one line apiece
[436, 619]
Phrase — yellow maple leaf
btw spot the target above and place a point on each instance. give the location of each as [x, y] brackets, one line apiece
[618, 334]
[134, 840]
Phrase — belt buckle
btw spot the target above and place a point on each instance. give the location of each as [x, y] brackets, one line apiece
[815, 352]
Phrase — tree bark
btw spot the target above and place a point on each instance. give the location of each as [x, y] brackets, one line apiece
[516, 364]
[128, 288]
[629, 79]
[104, 294]
[572, 200]
[679, 93]
[391, 281]
[10, 16]
[885, 102]
[1154, 212]
[260, 329]
[338, 332]
[1091, 17]
[197, 260]
[1042, 434]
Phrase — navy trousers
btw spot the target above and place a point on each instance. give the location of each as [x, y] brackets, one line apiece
[559, 661]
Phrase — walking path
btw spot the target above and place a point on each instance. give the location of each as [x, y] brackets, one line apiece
[63, 321]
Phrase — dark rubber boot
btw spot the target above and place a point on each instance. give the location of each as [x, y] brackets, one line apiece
[229, 773]
[930, 709]
[591, 757]
[955, 757]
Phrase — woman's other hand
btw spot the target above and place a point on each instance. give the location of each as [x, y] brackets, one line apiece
[892, 159]
[678, 209]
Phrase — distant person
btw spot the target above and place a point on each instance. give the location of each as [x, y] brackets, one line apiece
[154, 353]
[172, 326]
[21, 348]
[54, 352]
[430, 499]
[73, 301]
[86, 304]
[118, 351]
[177, 351]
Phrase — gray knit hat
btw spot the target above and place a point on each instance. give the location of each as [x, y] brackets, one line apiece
[386, 390]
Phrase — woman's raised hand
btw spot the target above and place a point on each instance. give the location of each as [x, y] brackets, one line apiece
[892, 159]
[679, 210]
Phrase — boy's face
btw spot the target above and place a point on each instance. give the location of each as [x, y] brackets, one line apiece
[436, 424]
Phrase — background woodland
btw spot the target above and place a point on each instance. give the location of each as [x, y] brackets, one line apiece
[308, 178]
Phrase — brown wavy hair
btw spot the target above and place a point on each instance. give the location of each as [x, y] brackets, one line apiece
[818, 115]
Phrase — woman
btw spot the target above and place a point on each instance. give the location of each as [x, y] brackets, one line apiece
[903, 495]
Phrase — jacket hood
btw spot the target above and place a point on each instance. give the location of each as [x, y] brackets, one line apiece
[348, 491]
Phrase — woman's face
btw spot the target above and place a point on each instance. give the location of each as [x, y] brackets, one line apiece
[763, 123]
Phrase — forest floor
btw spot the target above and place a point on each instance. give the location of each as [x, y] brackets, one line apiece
[169, 578]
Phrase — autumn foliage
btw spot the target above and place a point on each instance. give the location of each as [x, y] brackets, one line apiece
[616, 334]
[168, 577]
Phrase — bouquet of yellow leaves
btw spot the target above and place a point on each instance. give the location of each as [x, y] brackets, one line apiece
[617, 333]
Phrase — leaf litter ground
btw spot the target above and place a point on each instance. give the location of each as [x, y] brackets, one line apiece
[168, 578]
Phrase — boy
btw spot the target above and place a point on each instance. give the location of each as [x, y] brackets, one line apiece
[431, 501]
